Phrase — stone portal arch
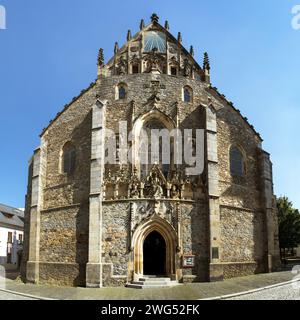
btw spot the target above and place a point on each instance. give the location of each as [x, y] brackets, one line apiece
[155, 223]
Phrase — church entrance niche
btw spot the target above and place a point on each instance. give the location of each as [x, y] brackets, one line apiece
[154, 254]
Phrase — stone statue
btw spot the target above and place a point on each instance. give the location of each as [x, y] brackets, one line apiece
[122, 66]
[153, 61]
[156, 189]
[187, 68]
[134, 192]
[174, 192]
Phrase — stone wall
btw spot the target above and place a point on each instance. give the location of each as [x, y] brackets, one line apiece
[74, 125]
[242, 215]
[231, 270]
[64, 212]
[171, 93]
[241, 235]
[116, 236]
[64, 245]
[195, 240]
[243, 192]
[25, 254]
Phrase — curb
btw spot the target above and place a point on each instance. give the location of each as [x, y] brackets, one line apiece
[242, 293]
[26, 295]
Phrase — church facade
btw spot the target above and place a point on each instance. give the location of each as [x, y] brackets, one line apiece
[91, 222]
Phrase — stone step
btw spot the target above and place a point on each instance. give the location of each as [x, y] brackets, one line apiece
[154, 279]
[153, 283]
[147, 286]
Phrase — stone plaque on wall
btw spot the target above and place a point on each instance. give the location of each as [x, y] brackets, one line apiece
[188, 261]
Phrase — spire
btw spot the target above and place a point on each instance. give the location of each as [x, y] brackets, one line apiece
[179, 37]
[142, 24]
[116, 49]
[192, 50]
[128, 35]
[167, 27]
[154, 18]
[100, 69]
[206, 65]
[100, 57]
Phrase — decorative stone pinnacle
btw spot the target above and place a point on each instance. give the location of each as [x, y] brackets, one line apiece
[206, 64]
[100, 57]
[142, 24]
[179, 37]
[154, 18]
[128, 35]
[192, 50]
[116, 49]
[167, 27]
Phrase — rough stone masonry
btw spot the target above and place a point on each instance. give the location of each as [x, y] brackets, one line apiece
[90, 223]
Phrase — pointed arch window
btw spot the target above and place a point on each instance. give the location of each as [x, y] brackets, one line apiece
[121, 91]
[237, 167]
[149, 155]
[69, 158]
[187, 94]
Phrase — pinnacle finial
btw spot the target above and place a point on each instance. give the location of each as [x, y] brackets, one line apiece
[179, 37]
[100, 57]
[167, 27]
[154, 17]
[116, 49]
[206, 64]
[142, 24]
[192, 50]
[128, 35]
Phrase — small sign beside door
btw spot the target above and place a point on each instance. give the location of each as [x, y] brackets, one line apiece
[188, 261]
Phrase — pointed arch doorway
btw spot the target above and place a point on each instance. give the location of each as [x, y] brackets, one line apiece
[154, 252]
[147, 258]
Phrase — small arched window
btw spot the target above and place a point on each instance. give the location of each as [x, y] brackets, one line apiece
[69, 158]
[121, 92]
[187, 94]
[237, 167]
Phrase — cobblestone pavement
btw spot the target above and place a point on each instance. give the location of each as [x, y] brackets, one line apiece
[286, 292]
[181, 292]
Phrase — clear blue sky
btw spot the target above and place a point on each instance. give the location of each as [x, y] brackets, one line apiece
[48, 55]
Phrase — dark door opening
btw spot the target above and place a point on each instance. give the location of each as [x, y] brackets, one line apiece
[154, 252]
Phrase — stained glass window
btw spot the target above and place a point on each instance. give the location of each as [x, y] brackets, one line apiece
[122, 92]
[155, 40]
[148, 155]
[236, 162]
[187, 94]
[69, 158]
